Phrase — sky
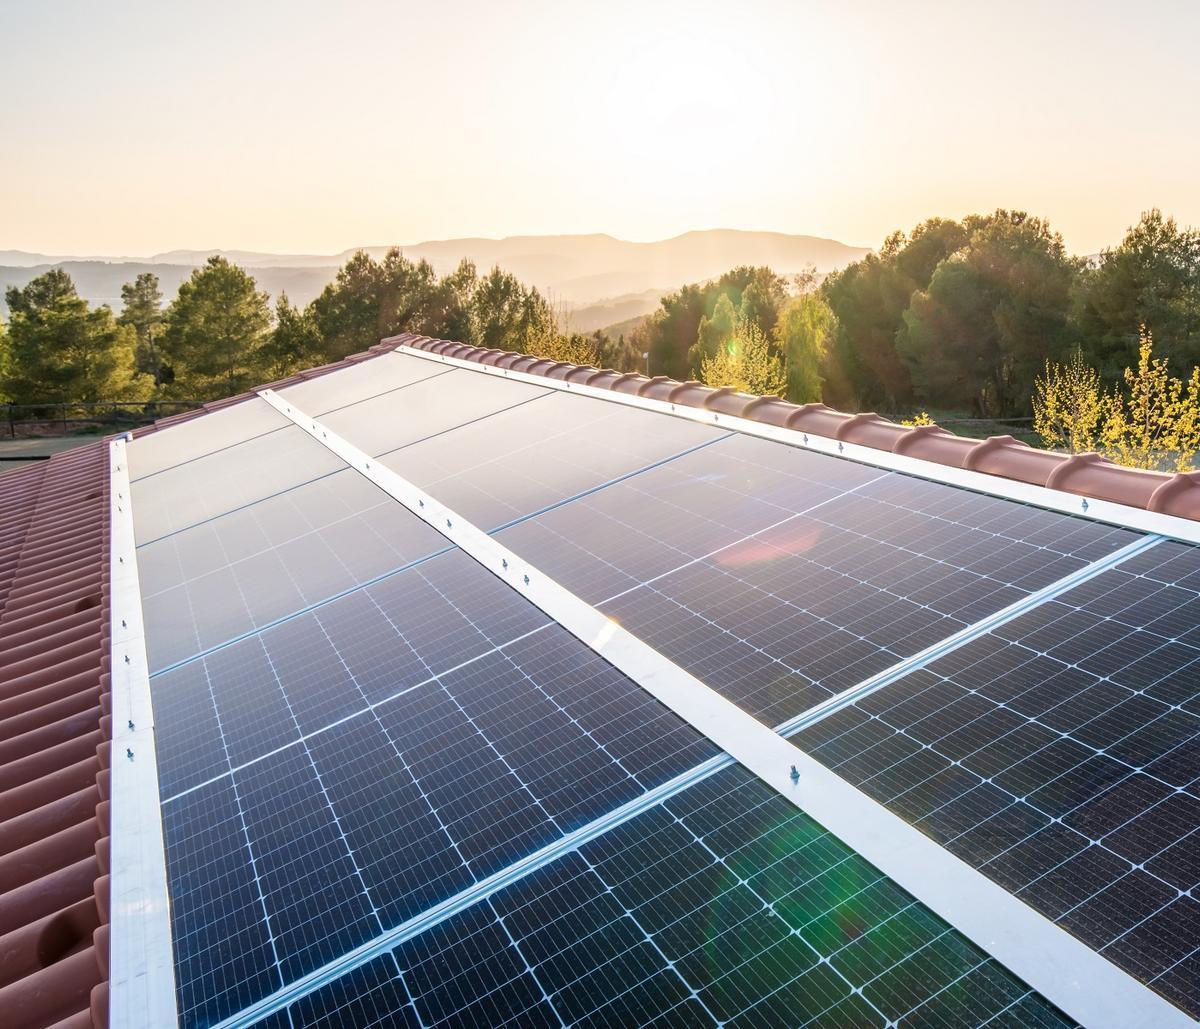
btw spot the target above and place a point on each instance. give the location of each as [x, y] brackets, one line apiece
[137, 127]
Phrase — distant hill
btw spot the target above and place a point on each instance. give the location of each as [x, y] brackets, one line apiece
[577, 272]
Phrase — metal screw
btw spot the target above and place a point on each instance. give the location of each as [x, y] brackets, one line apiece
[504, 563]
[129, 753]
[131, 723]
[448, 524]
[127, 659]
[1085, 505]
[527, 580]
[123, 625]
[420, 503]
[795, 775]
[840, 448]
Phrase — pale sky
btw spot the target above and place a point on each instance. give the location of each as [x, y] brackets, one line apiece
[310, 126]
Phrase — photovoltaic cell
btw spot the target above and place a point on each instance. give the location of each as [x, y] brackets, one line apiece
[370, 783]
[217, 430]
[423, 409]
[1060, 754]
[725, 906]
[780, 577]
[528, 457]
[217, 483]
[318, 396]
[214, 582]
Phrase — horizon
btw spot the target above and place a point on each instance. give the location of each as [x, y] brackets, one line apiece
[290, 128]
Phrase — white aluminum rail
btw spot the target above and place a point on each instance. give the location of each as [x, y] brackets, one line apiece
[980, 482]
[1085, 985]
[141, 970]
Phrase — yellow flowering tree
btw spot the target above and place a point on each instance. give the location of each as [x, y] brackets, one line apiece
[1068, 405]
[745, 362]
[1153, 423]
[1157, 424]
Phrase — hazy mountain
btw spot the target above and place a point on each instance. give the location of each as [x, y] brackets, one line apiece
[575, 271]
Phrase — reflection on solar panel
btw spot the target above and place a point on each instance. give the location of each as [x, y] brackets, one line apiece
[395, 791]
[723, 906]
[1061, 755]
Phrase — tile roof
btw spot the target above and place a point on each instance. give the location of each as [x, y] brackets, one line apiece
[55, 722]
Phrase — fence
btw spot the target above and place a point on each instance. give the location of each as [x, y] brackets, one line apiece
[53, 419]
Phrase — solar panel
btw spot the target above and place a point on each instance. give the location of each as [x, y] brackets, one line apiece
[420, 410]
[723, 906]
[369, 784]
[358, 724]
[196, 490]
[781, 577]
[156, 451]
[520, 460]
[213, 582]
[1060, 754]
[382, 374]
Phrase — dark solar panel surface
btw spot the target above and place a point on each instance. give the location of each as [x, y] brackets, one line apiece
[518, 461]
[724, 906]
[219, 580]
[370, 750]
[1060, 754]
[375, 756]
[781, 577]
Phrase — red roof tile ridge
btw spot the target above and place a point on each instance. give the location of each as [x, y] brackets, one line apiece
[1086, 475]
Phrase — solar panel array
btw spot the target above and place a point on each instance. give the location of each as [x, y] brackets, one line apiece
[394, 790]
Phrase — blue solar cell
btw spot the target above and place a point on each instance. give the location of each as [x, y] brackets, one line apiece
[724, 906]
[1060, 754]
[780, 577]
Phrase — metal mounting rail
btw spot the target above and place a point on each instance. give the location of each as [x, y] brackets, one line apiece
[141, 963]
[1080, 981]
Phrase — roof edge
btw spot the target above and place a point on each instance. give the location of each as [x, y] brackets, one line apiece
[1085, 475]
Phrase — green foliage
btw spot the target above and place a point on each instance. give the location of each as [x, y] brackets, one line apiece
[868, 299]
[295, 341]
[216, 332]
[745, 361]
[506, 314]
[978, 335]
[142, 311]
[57, 349]
[1152, 279]
[692, 320]
[806, 329]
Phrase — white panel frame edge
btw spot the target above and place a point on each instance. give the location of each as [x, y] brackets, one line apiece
[1085, 985]
[141, 959]
[978, 482]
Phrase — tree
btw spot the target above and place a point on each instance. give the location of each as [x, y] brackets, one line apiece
[59, 350]
[216, 331]
[1069, 405]
[1157, 423]
[868, 298]
[142, 311]
[752, 294]
[745, 362]
[1153, 280]
[980, 332]
[295, 341]
[507, 315]
[805, 331]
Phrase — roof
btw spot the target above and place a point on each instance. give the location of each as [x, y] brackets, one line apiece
[735, 637]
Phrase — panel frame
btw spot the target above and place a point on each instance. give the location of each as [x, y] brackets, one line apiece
[142, 960]
[1081, 982]
[979, 482]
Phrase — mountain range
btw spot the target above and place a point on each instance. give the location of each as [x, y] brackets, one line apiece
[596, 280]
